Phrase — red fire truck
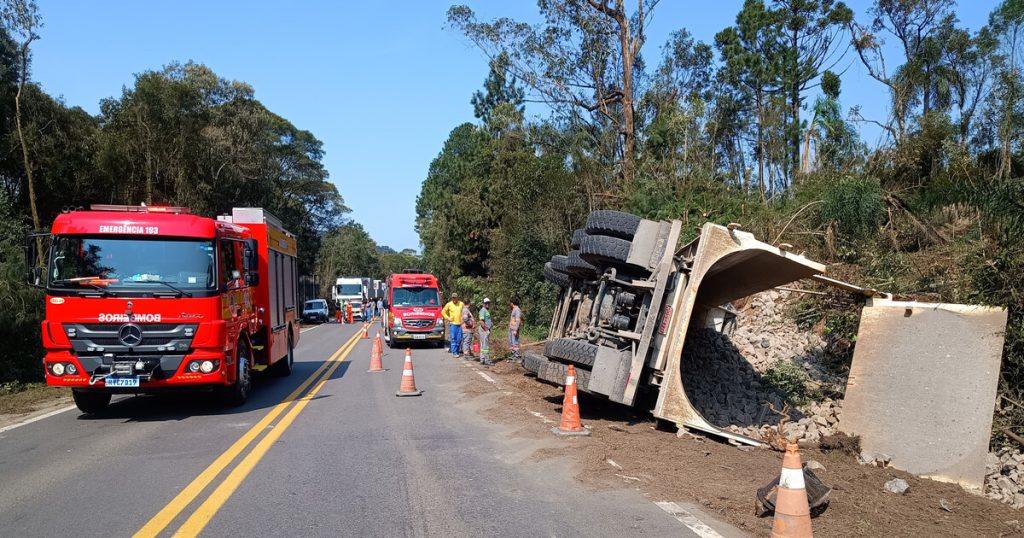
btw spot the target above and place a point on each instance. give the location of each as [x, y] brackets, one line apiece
[413, 307]
[149, 299]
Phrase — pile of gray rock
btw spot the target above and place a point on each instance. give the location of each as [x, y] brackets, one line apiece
[725, 373]
[1004, 479]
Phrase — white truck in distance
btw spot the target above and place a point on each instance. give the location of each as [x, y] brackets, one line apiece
[349, 290]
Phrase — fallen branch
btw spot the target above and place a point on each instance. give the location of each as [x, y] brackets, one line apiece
[1015, 437]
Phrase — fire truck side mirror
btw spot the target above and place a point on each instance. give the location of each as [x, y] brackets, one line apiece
[35, 277]
[35, 273]
[250, 256]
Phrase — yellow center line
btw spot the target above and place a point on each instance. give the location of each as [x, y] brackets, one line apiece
[191, 491]
[202, 516]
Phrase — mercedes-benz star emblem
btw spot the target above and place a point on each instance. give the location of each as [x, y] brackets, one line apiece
[130, 334]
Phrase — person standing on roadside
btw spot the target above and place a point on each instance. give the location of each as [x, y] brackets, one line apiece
[452, 313]
[467, 330]
[515, 324]
[485, 333]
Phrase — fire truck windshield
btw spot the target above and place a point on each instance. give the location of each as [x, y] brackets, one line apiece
[130, 264]
[415, 297]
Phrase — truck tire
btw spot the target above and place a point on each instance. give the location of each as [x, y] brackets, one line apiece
[561, 279]
[283, 368]
[578, 267]
[555, 372]
[91, 402]
[532, 362]
[577, 236]
[558, 263]
[605, 250]
[572, 351]
[237, 393]
[612, 223]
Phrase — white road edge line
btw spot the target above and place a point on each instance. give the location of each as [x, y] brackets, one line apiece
[543, 418]
[36, 419]
[686, 518]
[310, 328]
[487, 377]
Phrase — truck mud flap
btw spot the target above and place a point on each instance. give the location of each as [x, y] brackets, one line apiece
[922, 386]
[726, 265]
[610, 372]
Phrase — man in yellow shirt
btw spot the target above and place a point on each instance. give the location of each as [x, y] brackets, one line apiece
[452, 313]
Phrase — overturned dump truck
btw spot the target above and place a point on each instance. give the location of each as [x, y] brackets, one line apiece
[631, 290]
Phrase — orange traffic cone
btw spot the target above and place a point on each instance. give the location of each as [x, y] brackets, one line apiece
[365, 329]
[378, 344]
[570, 409]
[376, 355]
[792, 513]
[408, 387]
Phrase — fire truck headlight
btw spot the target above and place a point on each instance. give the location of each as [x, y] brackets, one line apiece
[71, 369]
[57, 368]
[207, 366]
[193, 366]
[439, 323]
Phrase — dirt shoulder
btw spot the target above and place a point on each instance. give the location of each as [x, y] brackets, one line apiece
[722, 479]
[29, 400]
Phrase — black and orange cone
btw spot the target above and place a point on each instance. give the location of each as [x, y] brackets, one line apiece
[408, 386]
[792, 512]
[570, 409]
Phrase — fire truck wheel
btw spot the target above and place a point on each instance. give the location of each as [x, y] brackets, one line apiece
[238, 392]
[91, 402]
[284, 367]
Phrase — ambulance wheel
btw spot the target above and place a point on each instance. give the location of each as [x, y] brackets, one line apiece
[238, 392]
[91, 402]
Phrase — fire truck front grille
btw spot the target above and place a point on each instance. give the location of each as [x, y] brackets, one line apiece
[418, 323]
[106, 339]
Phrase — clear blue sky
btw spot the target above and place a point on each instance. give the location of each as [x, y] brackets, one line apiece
[380, 83]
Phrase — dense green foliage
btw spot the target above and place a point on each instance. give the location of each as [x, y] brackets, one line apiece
[752, 128]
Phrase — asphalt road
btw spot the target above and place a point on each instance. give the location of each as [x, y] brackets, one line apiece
[343, 457]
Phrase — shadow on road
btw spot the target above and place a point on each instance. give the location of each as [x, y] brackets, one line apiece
[267, 391]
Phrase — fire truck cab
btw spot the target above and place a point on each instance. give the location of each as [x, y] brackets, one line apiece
[413, 309]
[151, 299]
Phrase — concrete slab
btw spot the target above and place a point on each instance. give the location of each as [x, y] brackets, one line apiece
[922, 386]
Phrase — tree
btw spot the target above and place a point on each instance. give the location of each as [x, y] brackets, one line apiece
[347, 251]
[812, 29]
[1007, 25]
[584, 58]
[753, 60]
[499, 88]
[452, 217]
[21, 19]
[185, 136]
[970, 67]
[911, 22]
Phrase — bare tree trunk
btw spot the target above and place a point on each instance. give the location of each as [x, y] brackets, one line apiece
[760, 142]
[628, 124]
[1006, 127]
[794, 103]
[36, 225]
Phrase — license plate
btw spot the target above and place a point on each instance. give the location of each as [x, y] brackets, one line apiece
[419, 337]
[132, 381]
